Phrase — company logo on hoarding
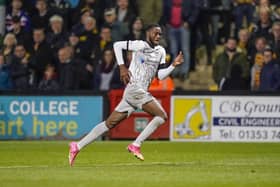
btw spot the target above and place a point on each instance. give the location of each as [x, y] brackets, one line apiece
[191, 118]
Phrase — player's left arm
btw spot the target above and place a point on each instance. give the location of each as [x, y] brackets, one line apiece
[163, 73]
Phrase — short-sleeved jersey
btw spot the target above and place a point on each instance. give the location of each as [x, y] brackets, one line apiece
[145, 62]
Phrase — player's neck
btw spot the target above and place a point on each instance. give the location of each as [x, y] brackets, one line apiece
[150, 44]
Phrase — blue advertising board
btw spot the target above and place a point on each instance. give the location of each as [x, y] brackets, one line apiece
[39, 117]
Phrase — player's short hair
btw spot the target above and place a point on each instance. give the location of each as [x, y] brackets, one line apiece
[151, 26]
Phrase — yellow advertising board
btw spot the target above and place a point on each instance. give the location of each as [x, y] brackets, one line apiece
[190, 118]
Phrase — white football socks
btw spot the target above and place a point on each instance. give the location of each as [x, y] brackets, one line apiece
[93, 134]
[151, 127]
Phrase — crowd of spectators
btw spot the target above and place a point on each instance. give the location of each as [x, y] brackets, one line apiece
[67, 44]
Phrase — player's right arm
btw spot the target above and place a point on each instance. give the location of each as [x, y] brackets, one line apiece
[129, 46]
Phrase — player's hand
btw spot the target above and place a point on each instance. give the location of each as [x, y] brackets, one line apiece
[179, 59]
[124, 74]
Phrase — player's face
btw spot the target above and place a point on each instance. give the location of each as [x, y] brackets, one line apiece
[155, 35]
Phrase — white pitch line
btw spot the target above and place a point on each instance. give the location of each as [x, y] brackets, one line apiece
[23, 166]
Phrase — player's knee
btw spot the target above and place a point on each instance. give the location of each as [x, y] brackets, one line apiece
[111, 123]
[161, 119]
[164, 116]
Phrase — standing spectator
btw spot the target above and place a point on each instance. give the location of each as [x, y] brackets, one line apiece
[179, 17]
[270, 73]
[202, 27]
[21, 35]
[105, 70]
[67, 70]
[42, 15]
[125, 15]
[9, 44]
[136, 30]
[57, 37]
[16, 10]
[41, 53]
[118, 32]
[150, 11]
[49, 82]
[243, 8]
[21, 72]
[222, 67]
[2, 17]
[5, 78]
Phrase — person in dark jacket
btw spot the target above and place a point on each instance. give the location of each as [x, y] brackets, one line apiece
[41, 53]
[42, 15]
[226, 60]
[57, 37]
[21, 70]
[270, 73]
[67, 71]
[49, 82]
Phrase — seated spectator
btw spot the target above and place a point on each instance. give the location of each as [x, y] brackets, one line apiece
[21, 70]
[226, 60]
[105, 70]
[57, 37]
[270, 73]
[67, 70]
[49, 82]
[7, 49]
[5, 77]
[16, 10]
[42, 15]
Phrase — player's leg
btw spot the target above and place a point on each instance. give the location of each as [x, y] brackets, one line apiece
[101, 128]
[155, 109]
[120, 113]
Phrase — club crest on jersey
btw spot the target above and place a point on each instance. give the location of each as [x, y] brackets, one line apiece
[141, 60]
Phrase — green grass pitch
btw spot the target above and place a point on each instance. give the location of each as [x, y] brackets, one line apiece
[167, 164]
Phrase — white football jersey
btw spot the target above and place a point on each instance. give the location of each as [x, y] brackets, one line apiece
[145, 61]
